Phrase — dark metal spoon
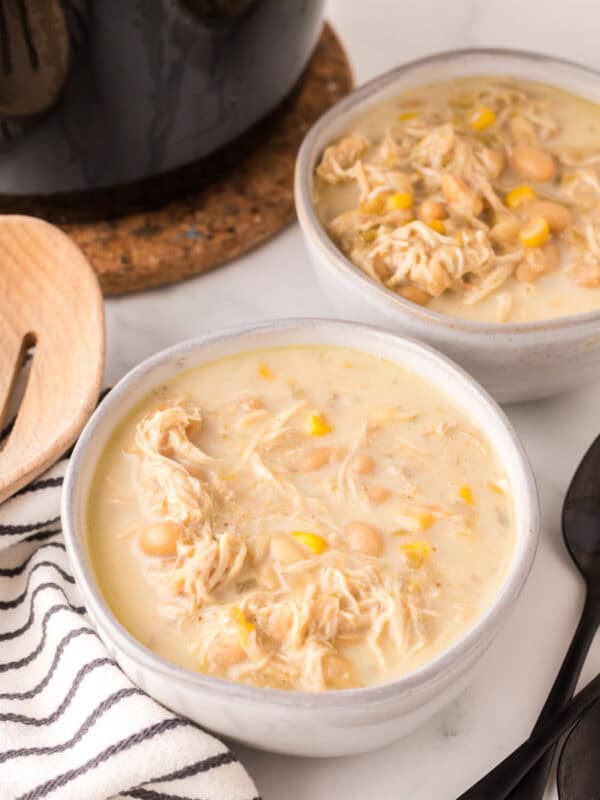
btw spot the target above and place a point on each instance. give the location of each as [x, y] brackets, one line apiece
[581, 532]
[497, 783]
[579, 765]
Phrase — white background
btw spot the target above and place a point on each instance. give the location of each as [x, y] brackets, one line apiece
[445, 756]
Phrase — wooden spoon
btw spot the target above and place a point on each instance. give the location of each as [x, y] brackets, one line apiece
[49, 299]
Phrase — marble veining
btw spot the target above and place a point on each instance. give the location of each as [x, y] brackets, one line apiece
[447, 754]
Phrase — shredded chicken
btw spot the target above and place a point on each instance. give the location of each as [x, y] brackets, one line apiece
[465, 166]
[286, 608]
[585, 271]
[338, 159]
[179, 482]
[315, 603]
[339, 597]
[171, 467]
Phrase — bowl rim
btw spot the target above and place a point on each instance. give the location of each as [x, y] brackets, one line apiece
[316, 235]
[430, 672]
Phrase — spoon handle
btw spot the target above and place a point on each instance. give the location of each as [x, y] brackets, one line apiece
[533, 785]
[499, 782]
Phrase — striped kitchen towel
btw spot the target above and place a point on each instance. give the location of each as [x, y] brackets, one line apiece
[72, 726]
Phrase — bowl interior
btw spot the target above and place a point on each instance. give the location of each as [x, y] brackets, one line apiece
[456, 64]
[424, 361]
[566, 75]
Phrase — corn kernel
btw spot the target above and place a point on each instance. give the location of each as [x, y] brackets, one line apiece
[374, 205]
[519, 195]
[406, 115]
[243, 637]
[368, 235]
[495, 487]
[459, 238]
[425, 520]
[416, 552]
[313, 541]
[318, 425]
[239, 617]
[244, 627]
[535, 233]
[400, 201]
[265, 372]
[482, 118]
[466, 495]
[438, 226]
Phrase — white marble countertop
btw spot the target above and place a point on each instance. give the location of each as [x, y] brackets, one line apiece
[462, 742]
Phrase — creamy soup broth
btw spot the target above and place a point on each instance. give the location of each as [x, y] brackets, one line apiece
[476, 197]
[301, 518]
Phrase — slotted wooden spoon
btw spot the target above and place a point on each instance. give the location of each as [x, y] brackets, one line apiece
[49, 300]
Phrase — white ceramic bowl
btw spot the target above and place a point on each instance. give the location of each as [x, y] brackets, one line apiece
[514, 362]
[301, 723]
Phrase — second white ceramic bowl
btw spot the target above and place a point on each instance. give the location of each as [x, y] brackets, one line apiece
[302, 723]
[514, 362]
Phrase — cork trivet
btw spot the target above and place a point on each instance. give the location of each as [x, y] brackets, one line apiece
[239, 211]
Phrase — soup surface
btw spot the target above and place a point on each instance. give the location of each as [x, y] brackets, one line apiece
[476, 197]
[300, 518]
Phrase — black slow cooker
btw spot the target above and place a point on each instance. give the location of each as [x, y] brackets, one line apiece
[111, 105]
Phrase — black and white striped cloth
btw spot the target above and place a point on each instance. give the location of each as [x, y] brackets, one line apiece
[72, 726]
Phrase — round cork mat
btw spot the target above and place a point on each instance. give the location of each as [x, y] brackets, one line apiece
[237, 212]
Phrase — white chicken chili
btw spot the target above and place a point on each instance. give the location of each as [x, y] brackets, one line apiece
[476, 197]
[299, 518]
